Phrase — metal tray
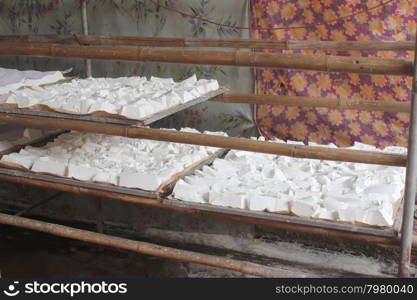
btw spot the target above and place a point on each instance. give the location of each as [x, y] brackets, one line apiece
[282, 218]
[101, 119]
[382, 232]
[78, 183]
[164, 189]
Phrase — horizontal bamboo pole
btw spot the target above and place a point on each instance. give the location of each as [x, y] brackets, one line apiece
[299, 151]
[329, 63]
[143, 247]
[352, 45]
[307, 229]
[221, 43]
[387, 106]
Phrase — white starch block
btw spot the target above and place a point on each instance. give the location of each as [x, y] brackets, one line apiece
[259, 202]
[162, 80]
[172, 99]
[51, 167]
[139, 180]
[185, 191]
[132, 112]
[80, 172]
[105, 177]
[304, 208]
[235, 200]
[185, 96]
[347, 214]
[25, 161]
[281, 205]
[378, 217]
[323, 213]
[111, 108]
[190, 80]
[212, 85]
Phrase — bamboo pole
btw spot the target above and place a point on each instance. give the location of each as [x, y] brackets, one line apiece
[144, 247]
[312, 152]
[351, 64]
[410, 184]
[220, 43]
[84, 25]
[307, 229]
[375, 105]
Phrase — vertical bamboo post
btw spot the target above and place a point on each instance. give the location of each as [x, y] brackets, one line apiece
[410, 184]
[84, 24]
[255, 82]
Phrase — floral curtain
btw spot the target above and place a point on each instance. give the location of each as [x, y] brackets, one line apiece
[337, 20]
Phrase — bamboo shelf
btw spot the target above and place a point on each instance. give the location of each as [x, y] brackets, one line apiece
[164, 195]
[158, 199]
[322, 228]
[41, 47]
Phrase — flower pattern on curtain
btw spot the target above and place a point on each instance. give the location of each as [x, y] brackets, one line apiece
[355, 20]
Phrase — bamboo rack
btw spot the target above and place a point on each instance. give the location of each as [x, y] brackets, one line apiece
[237, 58]
[351, 64]
[144, 247]
[323, 232]
[387, 106]
[220, 43]
[299, 151]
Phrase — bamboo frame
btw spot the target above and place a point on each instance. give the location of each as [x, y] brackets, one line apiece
[312, 152]
[144, 247]
[243, 58]
[351, 64]
[221, 43]
[84, 25]
[375, 105]
[137, 200]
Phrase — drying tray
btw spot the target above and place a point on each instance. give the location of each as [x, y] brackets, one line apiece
[103, 117]
[290, 219]
[166, 202]
[164, 189]
[164, 194]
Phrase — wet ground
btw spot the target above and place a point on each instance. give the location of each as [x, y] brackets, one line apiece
[25, 254]
[28, 254]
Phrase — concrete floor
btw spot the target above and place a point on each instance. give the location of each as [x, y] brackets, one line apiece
[26, 253]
